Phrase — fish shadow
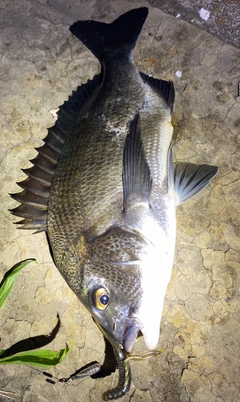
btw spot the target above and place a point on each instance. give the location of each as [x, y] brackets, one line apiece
[109, 364]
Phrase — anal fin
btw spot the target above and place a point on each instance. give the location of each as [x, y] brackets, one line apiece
[189, 179]
[164, 88]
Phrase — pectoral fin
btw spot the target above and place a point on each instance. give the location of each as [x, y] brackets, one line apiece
[189, 179]
[136, 173]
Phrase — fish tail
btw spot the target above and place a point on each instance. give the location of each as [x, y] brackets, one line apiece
[106, 40]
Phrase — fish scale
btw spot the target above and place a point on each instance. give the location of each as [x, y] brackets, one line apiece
[87, 180]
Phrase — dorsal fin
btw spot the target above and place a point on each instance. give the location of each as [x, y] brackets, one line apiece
[34, 198]
[164, 88]
[136, 172]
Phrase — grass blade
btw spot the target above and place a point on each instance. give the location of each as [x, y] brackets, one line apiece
[10, 277]
[39, 358]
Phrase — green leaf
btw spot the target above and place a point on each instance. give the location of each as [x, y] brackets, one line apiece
[39, 358]
[10, 277]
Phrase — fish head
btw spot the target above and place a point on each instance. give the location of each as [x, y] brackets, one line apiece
[121, 279]
[113, 297]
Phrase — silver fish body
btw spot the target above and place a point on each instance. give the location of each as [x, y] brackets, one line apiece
[112, 188]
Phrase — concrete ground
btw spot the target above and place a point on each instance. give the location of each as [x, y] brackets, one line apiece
[41, 65]
[223, 22]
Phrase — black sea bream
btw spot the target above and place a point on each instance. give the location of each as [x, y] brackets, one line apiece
[105, 189]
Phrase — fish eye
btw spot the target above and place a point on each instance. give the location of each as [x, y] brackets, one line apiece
[100, 298]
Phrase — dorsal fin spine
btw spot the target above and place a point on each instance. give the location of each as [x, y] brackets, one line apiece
[48, 153]
[31, 172]
[34, 187]
[34, 198]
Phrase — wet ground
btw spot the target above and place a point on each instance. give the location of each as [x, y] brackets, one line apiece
[41, 65]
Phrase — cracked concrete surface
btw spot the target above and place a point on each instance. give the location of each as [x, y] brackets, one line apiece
[223, 22]
[41, 65]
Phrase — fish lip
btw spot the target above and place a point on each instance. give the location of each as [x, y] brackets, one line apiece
[130, 334]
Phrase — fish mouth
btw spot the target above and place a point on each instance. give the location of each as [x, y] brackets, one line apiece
[122, 339]
[150, 333]
[131, 335]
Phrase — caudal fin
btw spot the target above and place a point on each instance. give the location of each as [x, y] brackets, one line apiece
[107, 39]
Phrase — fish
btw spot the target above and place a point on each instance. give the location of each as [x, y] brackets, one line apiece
[105, 189]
